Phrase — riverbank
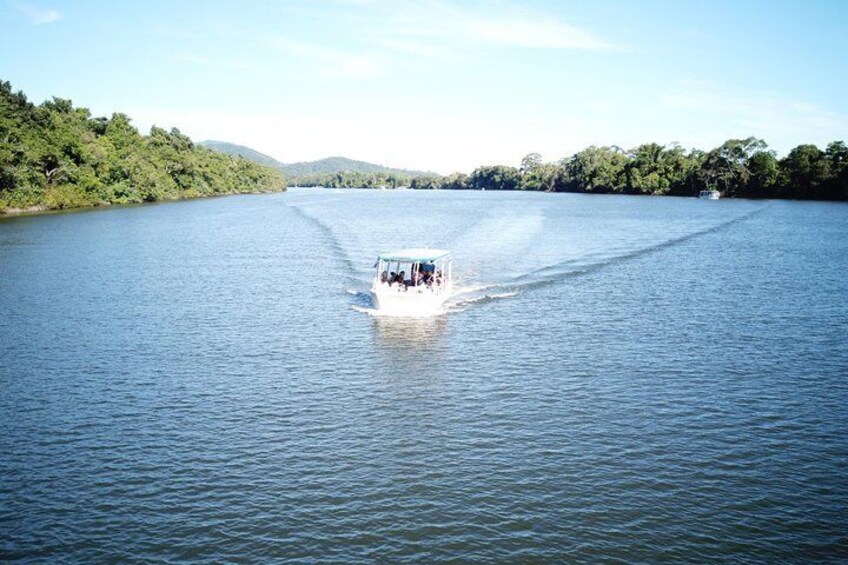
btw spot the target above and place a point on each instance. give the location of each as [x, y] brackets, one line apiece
[12, 212]
[56, 156]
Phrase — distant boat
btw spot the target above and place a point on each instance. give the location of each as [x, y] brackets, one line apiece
[709, 195]
[412, 282]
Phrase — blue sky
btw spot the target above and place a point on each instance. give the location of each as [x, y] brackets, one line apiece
[443, 85]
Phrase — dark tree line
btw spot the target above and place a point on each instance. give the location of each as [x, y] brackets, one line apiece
[353, 179]
[57, 156]
[744, 168]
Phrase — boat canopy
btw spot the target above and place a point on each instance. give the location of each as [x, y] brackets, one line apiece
[414, 255]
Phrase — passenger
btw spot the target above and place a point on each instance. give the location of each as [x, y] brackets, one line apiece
[427, 279]
[401, 278]
[392, 278]
[384, 277]
[416, 278]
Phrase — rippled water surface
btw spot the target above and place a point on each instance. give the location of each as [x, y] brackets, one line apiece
[621, 379]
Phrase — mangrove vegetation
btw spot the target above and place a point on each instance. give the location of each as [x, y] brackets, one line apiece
[55, 156]
[744, 168]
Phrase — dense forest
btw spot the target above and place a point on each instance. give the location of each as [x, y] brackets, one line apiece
[739, 167]
[57, 156]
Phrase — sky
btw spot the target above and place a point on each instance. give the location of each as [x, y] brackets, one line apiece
[443, 85]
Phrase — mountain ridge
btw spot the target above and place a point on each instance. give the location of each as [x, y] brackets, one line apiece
[332, 164]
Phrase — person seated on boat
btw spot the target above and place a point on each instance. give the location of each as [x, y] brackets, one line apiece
[401, 278]
[384, 277]
[416, 279]
[440, 278]
[427, 278]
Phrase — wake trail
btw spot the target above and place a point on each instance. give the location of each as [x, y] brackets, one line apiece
[579, 267]
[330, 237]
[557, 272]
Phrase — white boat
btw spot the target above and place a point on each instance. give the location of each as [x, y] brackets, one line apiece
[412, 282]
[709, 195]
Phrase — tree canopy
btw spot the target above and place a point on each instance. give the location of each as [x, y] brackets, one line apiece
[57, 156]
[744, 168]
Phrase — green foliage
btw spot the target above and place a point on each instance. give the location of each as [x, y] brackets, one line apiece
[807, 172]
[455, 181]
[596, 169]
[763, 174]
[739, 167]
[726, 168]
[355, 179]
[497, 177]
[58, 156]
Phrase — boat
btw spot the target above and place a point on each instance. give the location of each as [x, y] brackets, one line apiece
[412, 282]
[709, 195]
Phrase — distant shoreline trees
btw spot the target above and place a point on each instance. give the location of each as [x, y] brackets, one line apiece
[744, 168]
[56, 156]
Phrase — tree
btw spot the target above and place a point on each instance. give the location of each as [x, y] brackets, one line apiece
[496, 177]
[763, 173]
[804, 171]
[726, 167]
[536, 175]
[597, 169]
[455, 181]
[530, 162]
[837, 156]
[57, 156]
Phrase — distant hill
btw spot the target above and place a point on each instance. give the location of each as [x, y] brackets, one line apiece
[345, 165]
[242, 151]
[304, 168]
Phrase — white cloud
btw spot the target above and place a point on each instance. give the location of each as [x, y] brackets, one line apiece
[498, 24]
[333, 62]
[35, 14]
[415, 47]
[401, 33]
[231, 64]
[531, 33]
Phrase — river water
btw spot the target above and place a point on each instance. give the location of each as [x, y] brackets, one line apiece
[621, 379]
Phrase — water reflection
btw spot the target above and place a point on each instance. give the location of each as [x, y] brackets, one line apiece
[410, 333]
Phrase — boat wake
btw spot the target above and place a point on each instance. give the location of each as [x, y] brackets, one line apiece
[474, 294]
[507, 251]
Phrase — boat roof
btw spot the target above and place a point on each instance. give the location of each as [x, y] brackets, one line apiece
[414, 255]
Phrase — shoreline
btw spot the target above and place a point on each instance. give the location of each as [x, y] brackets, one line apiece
[43, 209]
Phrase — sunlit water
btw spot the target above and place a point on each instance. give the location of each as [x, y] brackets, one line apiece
[618, 379]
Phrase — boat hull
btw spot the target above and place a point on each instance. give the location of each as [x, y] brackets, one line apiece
[397, 301]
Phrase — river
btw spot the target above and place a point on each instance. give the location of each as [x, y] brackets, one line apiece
[619, 379]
